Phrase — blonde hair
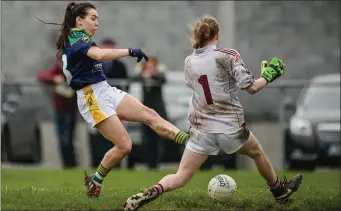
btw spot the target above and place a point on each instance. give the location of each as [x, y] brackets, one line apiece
[203, 30]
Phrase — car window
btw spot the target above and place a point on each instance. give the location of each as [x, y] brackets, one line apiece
[319, 97]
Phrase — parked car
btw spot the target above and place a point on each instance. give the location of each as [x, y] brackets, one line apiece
[20, 133]
[313, 136]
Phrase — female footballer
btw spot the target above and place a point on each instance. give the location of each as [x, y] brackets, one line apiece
[216, 115]
[101, 105]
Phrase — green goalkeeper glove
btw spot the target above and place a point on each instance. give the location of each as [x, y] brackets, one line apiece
[273, 71]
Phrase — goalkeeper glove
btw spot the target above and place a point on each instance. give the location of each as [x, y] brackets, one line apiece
[273, 71]
[136, 52]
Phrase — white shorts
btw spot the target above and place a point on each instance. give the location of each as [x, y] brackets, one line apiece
[98, 101]
[212, 143]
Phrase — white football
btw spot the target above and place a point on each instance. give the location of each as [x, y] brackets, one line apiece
[222, 188]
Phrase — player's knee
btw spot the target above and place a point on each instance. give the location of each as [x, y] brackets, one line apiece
[125, 147]
[121, 150]
[151, 116]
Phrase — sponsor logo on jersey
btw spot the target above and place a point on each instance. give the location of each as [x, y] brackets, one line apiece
[97, 66]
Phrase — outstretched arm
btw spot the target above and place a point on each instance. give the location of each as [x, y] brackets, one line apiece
[106, 54]
[87, 47]
[111, 54]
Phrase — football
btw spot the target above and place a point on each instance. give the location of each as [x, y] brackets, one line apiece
[222, 188]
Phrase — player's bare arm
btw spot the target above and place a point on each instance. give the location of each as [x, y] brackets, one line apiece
[99, 54]
[111, 54]
[256, 86]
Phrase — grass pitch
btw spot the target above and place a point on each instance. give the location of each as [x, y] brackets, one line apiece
[64, 190]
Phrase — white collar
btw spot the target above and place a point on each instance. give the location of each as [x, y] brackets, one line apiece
[205, 49]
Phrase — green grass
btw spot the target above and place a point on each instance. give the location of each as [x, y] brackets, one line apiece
[64, 190]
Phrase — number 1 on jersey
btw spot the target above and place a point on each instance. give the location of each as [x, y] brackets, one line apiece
[204, 82]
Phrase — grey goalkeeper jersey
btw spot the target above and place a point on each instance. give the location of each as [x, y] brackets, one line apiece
[215, 75]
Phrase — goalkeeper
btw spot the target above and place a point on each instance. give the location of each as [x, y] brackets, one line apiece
[216, 116]
[219, 128]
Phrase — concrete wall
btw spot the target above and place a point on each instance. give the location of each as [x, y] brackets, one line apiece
[158, 27]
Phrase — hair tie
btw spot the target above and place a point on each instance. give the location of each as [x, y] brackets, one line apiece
[73, 6]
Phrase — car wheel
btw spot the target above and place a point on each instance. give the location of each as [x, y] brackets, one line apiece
[6, 149]
[288, 146]
[4, 155]
[36, 156]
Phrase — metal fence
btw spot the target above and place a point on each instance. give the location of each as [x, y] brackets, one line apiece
[283, 86]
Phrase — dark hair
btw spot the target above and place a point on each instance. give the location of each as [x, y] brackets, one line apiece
[72, 11]
[204, 30]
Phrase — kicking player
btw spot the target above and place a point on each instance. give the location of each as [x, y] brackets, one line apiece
[216, 115]
[101, 105]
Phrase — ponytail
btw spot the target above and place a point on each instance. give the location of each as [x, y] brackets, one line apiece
[73, 10]
[67, 25]
[203, 31]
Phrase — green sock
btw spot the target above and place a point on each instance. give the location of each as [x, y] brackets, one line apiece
[100, 174]
[181, 138]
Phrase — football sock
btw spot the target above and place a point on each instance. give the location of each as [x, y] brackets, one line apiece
[181, 138]
[275, 185]
[100, 174]
[159, 189]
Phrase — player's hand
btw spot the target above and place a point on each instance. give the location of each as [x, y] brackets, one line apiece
[136, 52]
[273, 71]
[277, 65]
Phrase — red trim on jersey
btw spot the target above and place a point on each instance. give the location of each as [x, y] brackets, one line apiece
[237, 58]
[228, 51]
